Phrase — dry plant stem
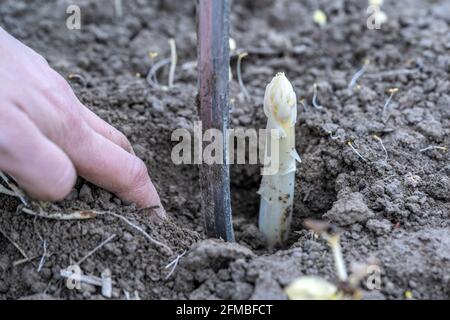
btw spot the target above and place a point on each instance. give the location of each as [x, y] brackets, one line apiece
[174, 264]
[239, 75]
[173, 61]
[95, 249]
[146, 235]
[314, 99]
[25, 260]
[7, 192]
[22, 252]
[76, 215]
[44, 255]
[433, 148]
[13, 187]
[151, 76]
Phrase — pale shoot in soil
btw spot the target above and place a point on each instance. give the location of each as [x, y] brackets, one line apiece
[232, 44]
[316, 288]
[118, 8]
[173, 61]
[433, 148]
[350, 144]
[303, 103]
[392, 91]
[386, 156]
[239, 75]
[320, 18]
[277, 188]
[358, 74]
[314, 99]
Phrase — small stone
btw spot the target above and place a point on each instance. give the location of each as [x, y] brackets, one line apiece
[85, 194]
[429, 85]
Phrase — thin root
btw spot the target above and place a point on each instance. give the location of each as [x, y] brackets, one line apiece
[303, 103]
[432, 148]
[314, 99]
[358, 74]
[239, 75]
[392, 91]
[145, 234]
[174, 264]
[95, 249]
[44, 255]
[386, 156]
[151, 75]
[356, 151]
[173, 61]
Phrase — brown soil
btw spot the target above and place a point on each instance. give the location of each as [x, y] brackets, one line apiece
[395, 210]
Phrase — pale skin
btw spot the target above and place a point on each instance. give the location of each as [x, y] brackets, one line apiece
[48, 137]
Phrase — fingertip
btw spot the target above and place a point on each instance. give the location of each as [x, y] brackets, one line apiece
[55, 189]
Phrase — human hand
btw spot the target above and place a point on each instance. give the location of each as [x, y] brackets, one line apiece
[47, 136]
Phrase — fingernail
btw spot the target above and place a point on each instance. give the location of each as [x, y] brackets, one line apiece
[156, 213]
[160, 212]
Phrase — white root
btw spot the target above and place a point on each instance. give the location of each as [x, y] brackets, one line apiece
[356, 151]
[239, 75]
[433, 148]
[173, 61]
[386, 156]
[96, 249]
[174, 264]
[142, 231]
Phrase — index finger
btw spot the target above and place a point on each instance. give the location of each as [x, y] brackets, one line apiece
[109, 166]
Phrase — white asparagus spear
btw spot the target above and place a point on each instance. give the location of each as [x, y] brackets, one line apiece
[277, 187]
